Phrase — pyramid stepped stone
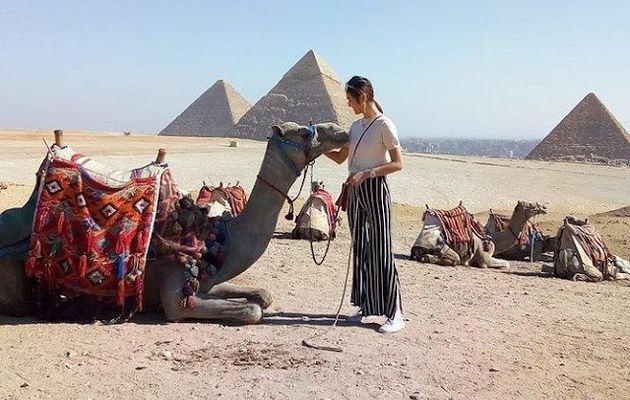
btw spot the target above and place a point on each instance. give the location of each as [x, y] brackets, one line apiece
[588, 133]
[309, 90]
[214, 113]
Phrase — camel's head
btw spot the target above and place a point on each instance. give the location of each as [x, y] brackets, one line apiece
[302, 144]
[531, 209]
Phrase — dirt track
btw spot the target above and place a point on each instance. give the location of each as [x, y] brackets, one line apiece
[471, 334]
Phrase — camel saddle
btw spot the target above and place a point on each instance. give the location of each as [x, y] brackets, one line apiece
[90, 234]
[583, 239]
[501, 223]
[458, 224]
[235, 195]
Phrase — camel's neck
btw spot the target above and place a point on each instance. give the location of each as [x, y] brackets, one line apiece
[251, 231]
[506, 238]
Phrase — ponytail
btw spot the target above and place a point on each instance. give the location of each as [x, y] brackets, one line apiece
[358, 85]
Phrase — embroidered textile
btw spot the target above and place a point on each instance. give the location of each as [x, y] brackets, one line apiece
[89, 237]
[458, 224]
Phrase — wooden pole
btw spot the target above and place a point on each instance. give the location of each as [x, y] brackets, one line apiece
[160, 156]
[59, 137]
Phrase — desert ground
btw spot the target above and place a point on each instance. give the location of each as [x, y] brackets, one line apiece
[471, 333]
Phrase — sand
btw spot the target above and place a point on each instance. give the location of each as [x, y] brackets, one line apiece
[471, 334]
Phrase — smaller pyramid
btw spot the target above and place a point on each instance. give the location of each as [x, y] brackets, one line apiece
[589, 131]
[214, 113]
[309, 90]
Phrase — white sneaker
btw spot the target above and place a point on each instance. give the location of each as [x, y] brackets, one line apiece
[355, 318]
[393, 324]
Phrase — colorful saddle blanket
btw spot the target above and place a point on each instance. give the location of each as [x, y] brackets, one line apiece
[458, 224]
[591, 241]
[91, 237]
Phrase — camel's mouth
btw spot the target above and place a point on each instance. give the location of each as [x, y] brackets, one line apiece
[540, 209]
[340, 138]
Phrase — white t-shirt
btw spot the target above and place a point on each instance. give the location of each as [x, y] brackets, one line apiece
[373, 151]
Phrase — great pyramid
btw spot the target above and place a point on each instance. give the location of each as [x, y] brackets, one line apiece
[589, 131]
[214, 113]
[309, 90]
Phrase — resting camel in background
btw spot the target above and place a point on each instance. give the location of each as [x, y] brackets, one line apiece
[289, 150]
[432, 245]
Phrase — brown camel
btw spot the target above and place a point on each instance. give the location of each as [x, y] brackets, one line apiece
[507, 241]
[290, 149]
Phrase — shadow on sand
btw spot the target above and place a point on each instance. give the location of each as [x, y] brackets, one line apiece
[323, 320]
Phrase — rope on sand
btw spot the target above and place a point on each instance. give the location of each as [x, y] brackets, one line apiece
[307, 342]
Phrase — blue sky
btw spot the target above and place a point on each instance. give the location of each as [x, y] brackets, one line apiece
[440, 68]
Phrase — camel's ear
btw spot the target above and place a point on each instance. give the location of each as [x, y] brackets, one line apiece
[277, 130]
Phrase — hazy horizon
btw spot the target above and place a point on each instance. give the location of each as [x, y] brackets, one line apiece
[488, 70]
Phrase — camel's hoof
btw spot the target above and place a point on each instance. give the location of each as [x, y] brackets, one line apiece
[253, 314]
[264, 300]
[429, 259]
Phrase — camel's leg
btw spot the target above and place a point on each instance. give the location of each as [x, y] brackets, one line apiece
[448, 257]
[171, 281]
[212, 308]
[225, 290]
[205, 307]
[589, 274]
[484, 259]
[431, 259]
[585, 278]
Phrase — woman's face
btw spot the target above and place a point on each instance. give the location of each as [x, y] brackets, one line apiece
[354, 103]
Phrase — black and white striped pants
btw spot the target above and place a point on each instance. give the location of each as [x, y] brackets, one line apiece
[375, 284]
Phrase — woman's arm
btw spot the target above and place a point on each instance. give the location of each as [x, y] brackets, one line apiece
[339, 156]
[395, 165]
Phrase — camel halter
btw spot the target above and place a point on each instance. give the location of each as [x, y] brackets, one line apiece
[282, 143]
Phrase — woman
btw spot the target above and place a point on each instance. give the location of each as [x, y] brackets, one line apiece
[373, 152]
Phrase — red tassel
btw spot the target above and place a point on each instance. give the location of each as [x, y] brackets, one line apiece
[119, 248]
[123, 243]
[139, 293]
[89, 240]
[60, 221]
[29, 266]
[48, 278]
[83, 263]
[120, 293]
[139, 242]
[36, 250]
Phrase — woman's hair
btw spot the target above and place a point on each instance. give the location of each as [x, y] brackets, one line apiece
[358, 85]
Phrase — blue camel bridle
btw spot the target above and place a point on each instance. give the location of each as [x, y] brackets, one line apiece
[283, 145]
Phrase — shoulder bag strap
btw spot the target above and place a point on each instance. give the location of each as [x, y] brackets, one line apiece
[360, 138]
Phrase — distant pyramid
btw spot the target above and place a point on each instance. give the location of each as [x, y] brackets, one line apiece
[309, 90]
[214, 113]
[589, 129]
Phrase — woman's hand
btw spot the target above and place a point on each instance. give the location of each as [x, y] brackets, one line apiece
[338, 156]
[358, 177]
